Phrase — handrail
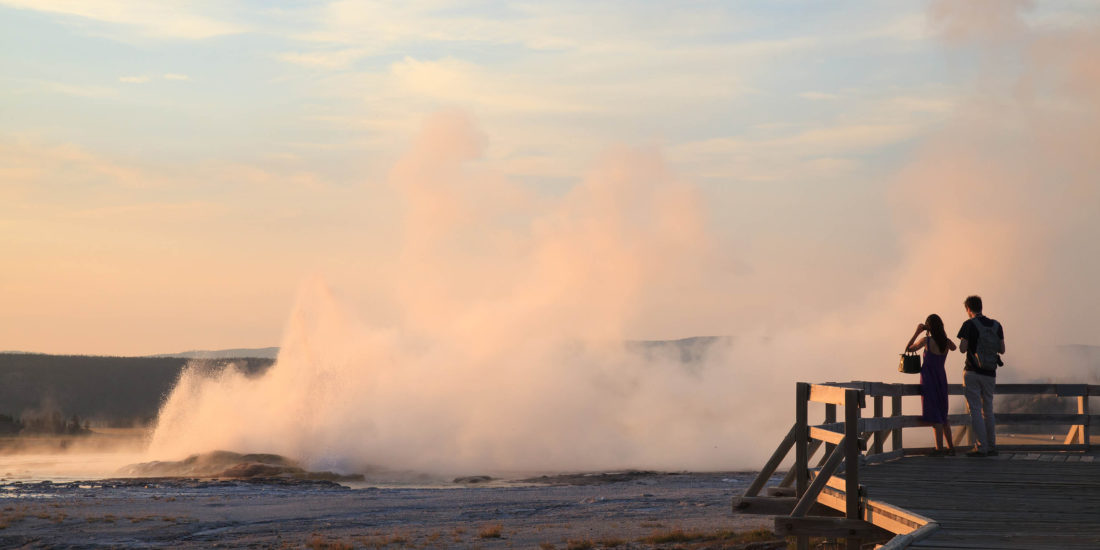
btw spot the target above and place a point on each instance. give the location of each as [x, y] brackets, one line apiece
[846, 441]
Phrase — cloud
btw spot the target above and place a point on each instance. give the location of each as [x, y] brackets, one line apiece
[36, 86]
[145, 79]
[818, 95]
[463, 83]
[821, 152]
[978, 20]
[177, 20]
[338, 59]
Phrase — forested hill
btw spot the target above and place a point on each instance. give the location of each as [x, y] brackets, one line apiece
[112, 390]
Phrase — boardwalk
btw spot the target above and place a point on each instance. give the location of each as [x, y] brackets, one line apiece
[1036, 494]
[1015, 500]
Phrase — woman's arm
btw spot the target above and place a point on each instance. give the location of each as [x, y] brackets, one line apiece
[913, 345]
[950, 345]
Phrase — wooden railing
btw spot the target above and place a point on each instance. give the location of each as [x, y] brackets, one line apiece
[858, 440]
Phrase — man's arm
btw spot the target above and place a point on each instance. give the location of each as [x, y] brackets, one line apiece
[963, 346]
[963, 333]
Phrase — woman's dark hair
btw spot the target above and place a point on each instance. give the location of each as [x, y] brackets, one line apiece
[935, 328]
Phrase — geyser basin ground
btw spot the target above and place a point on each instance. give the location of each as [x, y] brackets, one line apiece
[177, 513]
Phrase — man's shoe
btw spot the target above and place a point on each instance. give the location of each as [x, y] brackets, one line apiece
[950, 452]
[976, 454]
[991, 453]
[937, 452]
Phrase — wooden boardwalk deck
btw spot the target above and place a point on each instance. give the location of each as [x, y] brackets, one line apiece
[1012, 501]
[1038, 493]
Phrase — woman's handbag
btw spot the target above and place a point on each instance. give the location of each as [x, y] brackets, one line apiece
[910, 363]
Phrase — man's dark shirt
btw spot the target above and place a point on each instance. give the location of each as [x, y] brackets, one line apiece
[969, 332]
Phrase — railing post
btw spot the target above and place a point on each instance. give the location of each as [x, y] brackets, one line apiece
[895, 434]
[1083, 408]
[802, 437]
[830, 417]
[801, 447]
[876, 447]
[851, 460]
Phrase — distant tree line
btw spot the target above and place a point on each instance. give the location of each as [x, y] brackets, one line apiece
[52, 423]
[93, 390]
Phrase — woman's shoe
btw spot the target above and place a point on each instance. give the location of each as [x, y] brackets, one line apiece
[937, 452]
[950, 452]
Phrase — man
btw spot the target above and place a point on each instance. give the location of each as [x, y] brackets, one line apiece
[982, 340]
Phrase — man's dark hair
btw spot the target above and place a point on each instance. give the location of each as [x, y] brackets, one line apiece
[973, 303]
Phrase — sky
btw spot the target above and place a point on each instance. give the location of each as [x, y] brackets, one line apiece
[171, 172]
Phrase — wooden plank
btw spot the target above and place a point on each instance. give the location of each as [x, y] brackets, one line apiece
[884, 518]
[825, 527]
[1054, 447]
[903, 541]
[1062, 390]
[779, 491]
[828, 436]
[1072, 390]
[820, 393]
[1041, 419]
[1076, 434]
[892, 390]
[913, 421]
[898, 514]
[902, 421]
[776, 506]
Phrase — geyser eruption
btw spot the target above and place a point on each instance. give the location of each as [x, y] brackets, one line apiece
[504, 344]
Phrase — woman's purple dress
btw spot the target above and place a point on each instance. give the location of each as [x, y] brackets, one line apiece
[933, 388]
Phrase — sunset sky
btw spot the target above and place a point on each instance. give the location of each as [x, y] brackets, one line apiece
[170, 172]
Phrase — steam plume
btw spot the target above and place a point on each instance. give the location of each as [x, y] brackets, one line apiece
[498, 343]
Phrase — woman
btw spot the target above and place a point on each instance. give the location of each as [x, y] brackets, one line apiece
[933, 379]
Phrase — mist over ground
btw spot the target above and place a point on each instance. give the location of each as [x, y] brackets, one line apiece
[493, 342]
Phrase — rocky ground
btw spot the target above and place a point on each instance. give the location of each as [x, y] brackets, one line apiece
[616, 510]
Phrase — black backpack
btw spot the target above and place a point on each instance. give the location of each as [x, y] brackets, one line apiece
[987, 349]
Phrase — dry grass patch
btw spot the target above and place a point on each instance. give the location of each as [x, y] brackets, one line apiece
[579, 544]
[7, 520]
[317, 542]
[709, 539]
[492, 531]
[378, 540]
